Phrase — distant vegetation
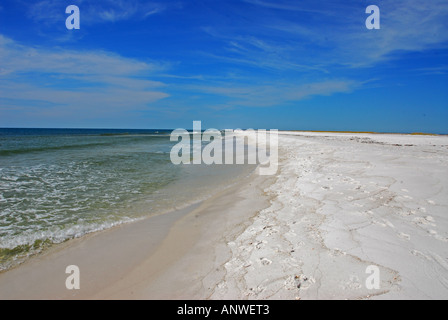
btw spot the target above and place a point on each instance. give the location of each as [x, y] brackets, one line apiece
[369, 132]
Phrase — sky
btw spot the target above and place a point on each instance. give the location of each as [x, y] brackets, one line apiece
[263, 64]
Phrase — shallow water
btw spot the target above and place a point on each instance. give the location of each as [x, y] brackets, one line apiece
[60, 184]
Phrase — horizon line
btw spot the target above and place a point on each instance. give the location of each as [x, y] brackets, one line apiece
[288, 130]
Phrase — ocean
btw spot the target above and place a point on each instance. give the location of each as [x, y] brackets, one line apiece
[60, 184]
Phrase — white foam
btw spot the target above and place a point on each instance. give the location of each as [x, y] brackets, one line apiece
[57, 235]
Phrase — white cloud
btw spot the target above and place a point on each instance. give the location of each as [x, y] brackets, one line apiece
[437, 70]
[77, 84]
[314, 7]
[411, 26]
[266, 53]
[325, 34]
[95, 11]
[19, 58]
[274, 94]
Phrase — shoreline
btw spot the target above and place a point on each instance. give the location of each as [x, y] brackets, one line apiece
[339, 204]
[196, 271]
[127, 255]
[102, 257]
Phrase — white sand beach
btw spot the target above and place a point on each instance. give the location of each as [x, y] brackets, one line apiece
[340, 202]
[343, 202]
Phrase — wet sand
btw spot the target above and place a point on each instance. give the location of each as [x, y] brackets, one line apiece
[169, 256]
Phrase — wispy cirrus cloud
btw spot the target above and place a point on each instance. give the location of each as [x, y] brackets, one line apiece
[64, 83]
[408, 26]
[16, 58]
[274, 94]
[50, 12]
[333, 33]
[313, 7]
[261, 52]
[112, 11]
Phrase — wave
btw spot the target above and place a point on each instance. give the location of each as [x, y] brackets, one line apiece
[50, 148]
[74, 146]
[14, 250]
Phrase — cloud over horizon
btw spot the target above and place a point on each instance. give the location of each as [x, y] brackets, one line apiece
[74, 83]
[174, 61]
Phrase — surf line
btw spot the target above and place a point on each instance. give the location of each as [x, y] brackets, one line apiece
[212, 153]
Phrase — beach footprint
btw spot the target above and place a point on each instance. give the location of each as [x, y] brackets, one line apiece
[404, 236]
[303, 282]
[424, 221]
[437, 236]
[354, 283]
[265, 261]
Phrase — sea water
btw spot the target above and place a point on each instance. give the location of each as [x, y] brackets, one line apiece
[60, 184]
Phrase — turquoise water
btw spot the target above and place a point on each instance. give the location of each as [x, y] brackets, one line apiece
[56, 185]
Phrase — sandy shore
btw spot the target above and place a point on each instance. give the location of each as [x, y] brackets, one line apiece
[178, 255]
[338, 204]
[342, 203]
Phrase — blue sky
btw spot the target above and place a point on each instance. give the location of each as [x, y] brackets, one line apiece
[306, 65]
